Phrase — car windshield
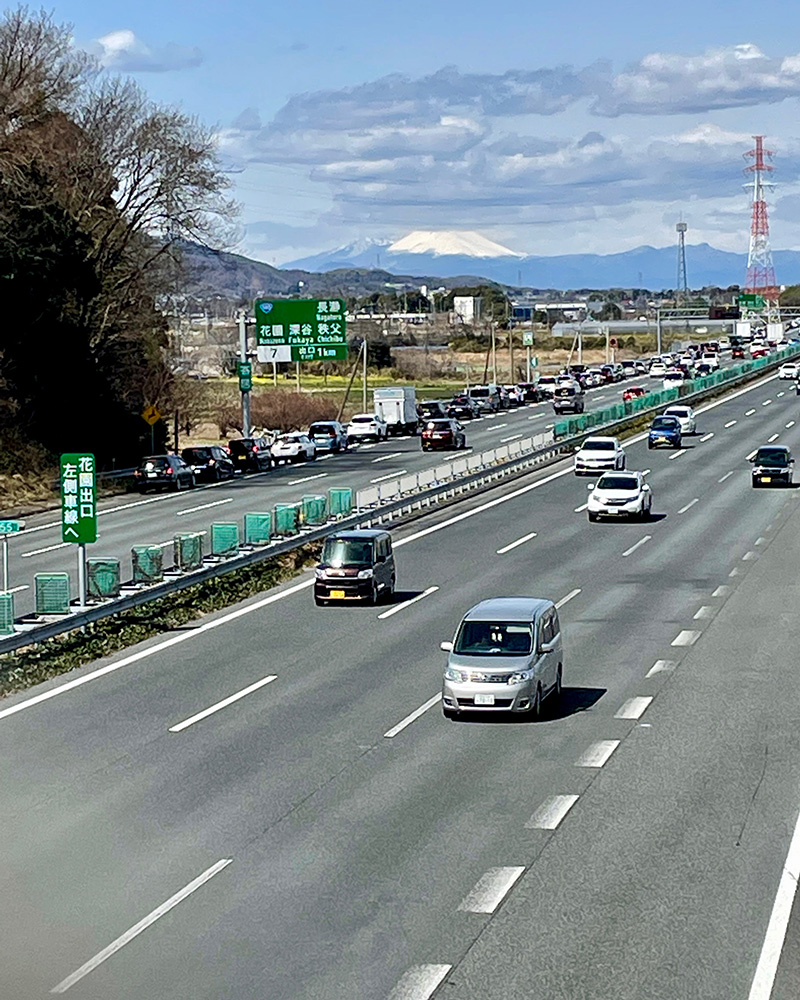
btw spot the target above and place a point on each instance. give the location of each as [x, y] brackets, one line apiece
[328, 429]
[494, 638]
[664, 424]
[772, 456]
[479, 393]
[155, 463]
[598, 446]
[340, 552]
[673, 376]
[677, 413]
[197, 454]
[438, 425]
[618, 483]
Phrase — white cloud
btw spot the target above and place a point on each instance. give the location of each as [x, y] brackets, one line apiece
[124, 52]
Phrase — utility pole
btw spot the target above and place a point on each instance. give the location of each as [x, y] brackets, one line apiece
[494, 353]
[658, 329]
[511, 379]
[607, 346]
[364, 377]
[243, 355]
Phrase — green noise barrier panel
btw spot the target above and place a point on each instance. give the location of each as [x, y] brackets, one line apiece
[148, 563]
[257, 529]
[225, 539]
[6, 614]
[102, 578]
[340, 501]
[52, 593]
[187, 550]
[287, 518]
[315, 510]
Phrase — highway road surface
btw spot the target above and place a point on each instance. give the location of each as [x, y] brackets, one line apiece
[272, 805]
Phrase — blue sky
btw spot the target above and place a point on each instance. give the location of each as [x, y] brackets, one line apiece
[552, 128]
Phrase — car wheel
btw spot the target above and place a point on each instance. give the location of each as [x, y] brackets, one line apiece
[650, 445]
[374, 596]
[178, 486]
[536, 704]
[556, 695]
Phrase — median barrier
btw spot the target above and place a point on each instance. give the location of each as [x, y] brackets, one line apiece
[51, 593]
[257, 529]
[224, 539]
[147, 564]
[6, 614]
[315, 509]
[102, 578]
[187, 551]
[340, 501]
[287, 518]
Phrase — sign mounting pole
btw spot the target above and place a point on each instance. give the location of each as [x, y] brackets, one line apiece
[244, 372]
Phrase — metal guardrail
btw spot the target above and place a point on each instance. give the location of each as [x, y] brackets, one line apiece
[389, 501]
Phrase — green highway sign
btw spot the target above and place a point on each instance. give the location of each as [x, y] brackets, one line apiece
[9, 527]
[78, 499]
[527, 338]
[244, 370]
[301, 330]
[751, 301]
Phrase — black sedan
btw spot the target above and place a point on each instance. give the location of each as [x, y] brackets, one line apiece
[462, 408]
[163, 472]
[210, 463]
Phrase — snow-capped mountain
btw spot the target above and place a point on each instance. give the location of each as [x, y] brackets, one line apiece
[451, 243]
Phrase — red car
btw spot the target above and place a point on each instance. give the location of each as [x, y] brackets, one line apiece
[632, 392]
[443, 433]
[737, 352]
[759, 352]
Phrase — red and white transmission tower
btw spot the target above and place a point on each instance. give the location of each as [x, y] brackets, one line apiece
[760, 278]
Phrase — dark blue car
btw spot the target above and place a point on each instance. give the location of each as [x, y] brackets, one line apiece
[664, 431]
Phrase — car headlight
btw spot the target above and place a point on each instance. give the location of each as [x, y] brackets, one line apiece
[364, 574]
[451, 674]
[320, 574]
[520, 676]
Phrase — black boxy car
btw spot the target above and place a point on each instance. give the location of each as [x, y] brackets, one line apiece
[250, 454]
[163, 472]
[772, 464]
[209, 463]
[355, 565]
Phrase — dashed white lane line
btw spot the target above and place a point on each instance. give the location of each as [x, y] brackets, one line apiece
[721, 591]
[366, 447]
[306, 479]
[686, 637]
[633, 708]
[16, 590]
[645, 471]
[767, 967]
[536, 416]
[761, 540]
[171, 541]
[773, 438]
[143, 924]
[568, 597]
[551, 812]
[222, 704]
[491, 889]
[498, 427]
[549, 427]
[597, 754]
[749, 556]
[519, 541]
[513, 437]
[689, 505]
[385, 458]
[735, 572]
[408, 603]
[749, 413]
[47, 548]
[420, 982]
[704, 612]
[677, 454]
[389, 475]
[661, 667]
[726, 476]
[204, 506]
[583, 506]
[707, 437]
[781, 394]
[633, 548]
[730, 423]
[391, 733]
[751, 455]
[790, 424]
[766, 402]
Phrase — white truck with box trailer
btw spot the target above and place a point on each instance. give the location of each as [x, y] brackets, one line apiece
[397, 405]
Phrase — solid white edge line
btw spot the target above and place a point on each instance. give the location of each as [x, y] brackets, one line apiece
[512, 438]
[391, 733]
[597, 754]
[389, 475]
[222, 704]
[551, 812]
[408, 603]
[203, 506]
[633, 708]
[633, 548]
[491, 889]
[16, 590]
[568, 597]
[420, 982]
[768, 960]
[142, 925]
[513, 545]
[688, 505]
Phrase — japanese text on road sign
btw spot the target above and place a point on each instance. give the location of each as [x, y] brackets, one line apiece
[78, 499]
[300, 329]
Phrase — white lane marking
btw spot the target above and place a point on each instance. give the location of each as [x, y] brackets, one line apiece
[750, 413]
[498, 426]
[686, 637]
[174, 640]
[766, 402]
[646, 471]
[420, 982]
[513, 545]
[690, 504]
[143, 924]
[171, 541]
[389, 475]
[781, 394]
[513, 437]
[730, 423]
[551, 812]
[491, 889]
[749, 556]
[722, 591]
[549, 427]
[536, 416]
[408, 603]
[365, 447]
[660, 667]
[751, 455]
[633, 708]
[767, 967]
[633, 548]
[306, 479]
[677, 454]
[16, 590]
[790, 424]
[726, 476]
[47, 548]
[761, 540]
[583, 506]
[704, 612]
[222, 704]
[597, 754]
[734, 572]
[391, 733]
[569, 596]
[707, 437]
[773, 438]
[385, 458]
[203, 506]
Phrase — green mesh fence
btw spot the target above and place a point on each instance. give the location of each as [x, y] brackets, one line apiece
[147, 562]
[287, 518]
[315, 510]
[257, 529]
[225, 539]
[6, 614]
[102, 578]
[51, 593]
[340, 501]
[187, 551]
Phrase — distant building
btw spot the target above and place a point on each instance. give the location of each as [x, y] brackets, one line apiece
[467, 308]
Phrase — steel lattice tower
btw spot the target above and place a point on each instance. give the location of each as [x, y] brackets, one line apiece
[683, 285]
[760, 278]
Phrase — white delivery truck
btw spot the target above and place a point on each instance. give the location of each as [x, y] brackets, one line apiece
[397, 405]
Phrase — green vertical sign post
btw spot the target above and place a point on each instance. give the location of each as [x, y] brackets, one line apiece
[244, 369]
[301, 330]
[79, 509]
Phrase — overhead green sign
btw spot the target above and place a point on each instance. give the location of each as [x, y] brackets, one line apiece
[244, 370]
[300, 329]
[78, 499]
[9, 527]
[751, 301]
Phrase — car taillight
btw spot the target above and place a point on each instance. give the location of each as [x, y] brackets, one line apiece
[255, 447]
[138, 472]
[169, 470]
[227, 450]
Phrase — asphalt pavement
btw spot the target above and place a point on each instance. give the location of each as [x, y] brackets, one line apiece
[328, 834]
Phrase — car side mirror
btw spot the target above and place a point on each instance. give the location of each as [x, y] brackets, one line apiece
[446, 646]
[546, 647]
[751, 459]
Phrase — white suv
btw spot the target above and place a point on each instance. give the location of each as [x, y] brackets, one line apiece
[597, 454]
[367, 426]
[293, 448]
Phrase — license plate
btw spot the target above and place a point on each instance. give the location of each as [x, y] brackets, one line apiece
[337, 594]
[484, 699]
[152, 474]
[766, 479]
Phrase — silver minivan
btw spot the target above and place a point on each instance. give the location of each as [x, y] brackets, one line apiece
[506, 657]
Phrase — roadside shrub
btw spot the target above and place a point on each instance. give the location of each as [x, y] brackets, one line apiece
[278, 409]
